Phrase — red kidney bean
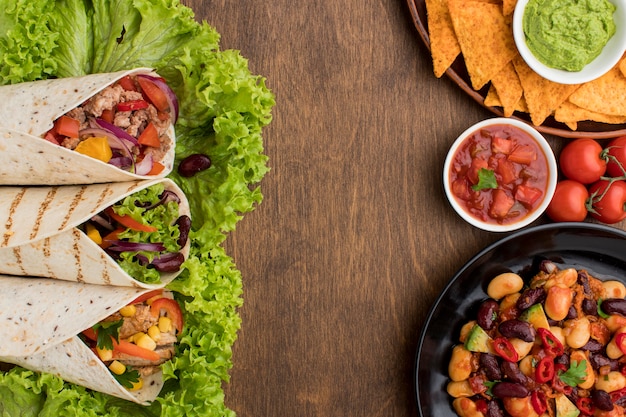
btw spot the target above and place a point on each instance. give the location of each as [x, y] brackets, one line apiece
[593, 346]
[614, 306]
[572, 313]
[494, 410]
[590, 307]
[602, 400]
[531, 297]
[512, 372]
[491, 365]
[487, 314]
[193, 164]
[517, 328]
[598, 360]
[509, 389]
[583, 279]
[184, 226]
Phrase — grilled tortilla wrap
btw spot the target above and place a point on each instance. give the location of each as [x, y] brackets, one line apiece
[42, 235]
[42, 319]
[28, 111]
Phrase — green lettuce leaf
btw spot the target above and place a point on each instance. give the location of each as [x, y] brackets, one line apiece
[223, 109]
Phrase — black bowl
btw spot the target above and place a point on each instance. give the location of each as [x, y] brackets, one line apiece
[599, 249]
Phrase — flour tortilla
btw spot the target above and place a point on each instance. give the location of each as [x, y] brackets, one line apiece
[41, 320]
[28, 111]
[41, 238]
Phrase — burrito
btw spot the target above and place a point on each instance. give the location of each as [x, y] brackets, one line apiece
[96, 128]
[108, 339]
[126, 234]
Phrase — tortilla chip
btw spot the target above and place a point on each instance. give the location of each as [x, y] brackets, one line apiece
[508, 7]
[542, 96]
[622, 65]
[485, 37]
[569, 112]
[509, 88]
[606, 94]
[522, 105]
[444, 47]
[492, 99]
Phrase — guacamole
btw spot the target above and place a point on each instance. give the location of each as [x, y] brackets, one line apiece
[568, 34]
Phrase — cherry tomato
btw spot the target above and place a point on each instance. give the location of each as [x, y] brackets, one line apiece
[616, 150]
[569, 202]
[608, 200]
[583, 160]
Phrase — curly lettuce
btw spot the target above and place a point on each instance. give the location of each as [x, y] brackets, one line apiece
[223, 109]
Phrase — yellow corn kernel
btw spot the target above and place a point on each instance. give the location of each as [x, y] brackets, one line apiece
[117, 367]
[137, 385]
[97, 148]
[128, 311]
[154, 333]
[104, 354]
[153, 298]
[145, 341]
[93, 233]
[133, 338]
[165, 324]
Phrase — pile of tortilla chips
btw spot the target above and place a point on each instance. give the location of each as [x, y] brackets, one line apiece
[481, 31]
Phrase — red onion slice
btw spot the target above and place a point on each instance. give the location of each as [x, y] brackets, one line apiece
[117, 131]
[145, 166]
[124, 246]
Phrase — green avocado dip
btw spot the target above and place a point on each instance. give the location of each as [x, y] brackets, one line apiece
[568, 34]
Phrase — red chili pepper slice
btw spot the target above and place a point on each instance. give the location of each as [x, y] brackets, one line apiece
[585, 405]
[505, 349]
[551, 344]
[617, 395]
[544, 371]
[481, 405]
[620, 341]
[539, 401]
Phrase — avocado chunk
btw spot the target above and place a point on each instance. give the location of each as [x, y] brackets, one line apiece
[535, 316]
[478, 340]
[565, 408]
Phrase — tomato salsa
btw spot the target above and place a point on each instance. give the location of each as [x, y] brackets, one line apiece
[499, 174]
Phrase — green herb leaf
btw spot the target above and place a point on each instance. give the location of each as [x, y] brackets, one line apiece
[486, 179]
[490, 385]
[107, 331]
[575, 374]
[128, 378]
[601, 313]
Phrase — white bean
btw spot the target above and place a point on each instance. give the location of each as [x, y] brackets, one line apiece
[504, 284]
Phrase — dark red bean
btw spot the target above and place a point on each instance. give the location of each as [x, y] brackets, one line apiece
[531, 297]
[494, 410]
[491, 366]
[184, 226]
[572, 313]
[517, 328]
[193, 164]
[614, 306]
[513, 373]
[509, 389]
[593, 346]
[583, 279]
[602, 400]
[590, 307]
[487, 314]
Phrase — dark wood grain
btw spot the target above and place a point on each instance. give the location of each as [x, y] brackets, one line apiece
[354, 239]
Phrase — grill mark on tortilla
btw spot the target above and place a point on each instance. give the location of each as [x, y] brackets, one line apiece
[105, 271]
[75, 202]
[18, 258]
[103, 195]
[42, 211]
[47, 256]
[79, 273]
[9, 223]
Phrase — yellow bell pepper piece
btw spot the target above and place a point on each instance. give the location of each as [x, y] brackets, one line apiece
[95, 147]
[93, 233]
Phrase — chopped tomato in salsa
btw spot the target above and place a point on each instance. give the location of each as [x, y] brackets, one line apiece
[517, 163]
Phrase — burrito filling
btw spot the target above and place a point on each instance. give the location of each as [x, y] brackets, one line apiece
[125, 125]
[136, 340]
[143, 232]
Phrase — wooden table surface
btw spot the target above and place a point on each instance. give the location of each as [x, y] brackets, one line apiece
[354, 239]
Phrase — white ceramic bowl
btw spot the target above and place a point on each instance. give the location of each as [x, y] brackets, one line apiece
[610, 55]
[551, 183]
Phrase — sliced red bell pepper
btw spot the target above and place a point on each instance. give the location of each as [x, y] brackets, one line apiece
[551, 344]
[132, 105]
[544, 371]
[505, 349]
[108, 115]
[147, 296]
[539, 401]
[127, 83]
[110, 238]
[90, 334]
[172, 309]
[149, 136]
[133, 350]
[129, 222]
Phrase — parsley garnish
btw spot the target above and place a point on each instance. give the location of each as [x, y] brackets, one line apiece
[575, 374]
[486, 179]
[128, 378]
[490, 385]
[601, 313]
[107, 331]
